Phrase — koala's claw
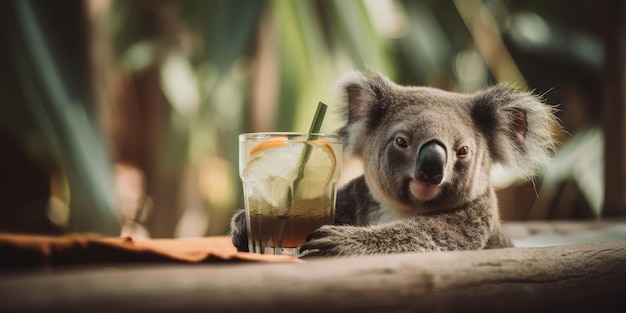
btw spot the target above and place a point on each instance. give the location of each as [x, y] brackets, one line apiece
[332, 240]
[318, 248]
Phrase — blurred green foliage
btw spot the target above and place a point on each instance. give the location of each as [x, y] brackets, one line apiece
[230, 66]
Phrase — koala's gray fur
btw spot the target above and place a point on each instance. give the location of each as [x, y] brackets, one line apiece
[390, 209]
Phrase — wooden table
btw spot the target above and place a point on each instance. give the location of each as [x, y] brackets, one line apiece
[589, 276]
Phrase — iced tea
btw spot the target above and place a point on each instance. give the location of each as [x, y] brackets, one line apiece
[286, 199]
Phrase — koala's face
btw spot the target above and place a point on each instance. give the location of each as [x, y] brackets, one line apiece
[425, 149]
[429, 154]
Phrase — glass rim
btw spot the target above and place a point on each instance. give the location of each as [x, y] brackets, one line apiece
[256, 135]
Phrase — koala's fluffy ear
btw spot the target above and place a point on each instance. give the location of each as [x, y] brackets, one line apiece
[518, 127]
[364, 96]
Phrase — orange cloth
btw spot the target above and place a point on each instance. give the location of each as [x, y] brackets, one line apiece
[24, 251]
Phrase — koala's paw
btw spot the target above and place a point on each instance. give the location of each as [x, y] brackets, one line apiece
[239, 231]
[330, 240]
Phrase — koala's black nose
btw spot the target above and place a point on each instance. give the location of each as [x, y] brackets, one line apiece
[431, 161]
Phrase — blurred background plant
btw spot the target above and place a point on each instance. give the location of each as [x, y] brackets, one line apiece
[123, 116]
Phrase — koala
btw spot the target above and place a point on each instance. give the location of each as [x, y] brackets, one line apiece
[427, 156]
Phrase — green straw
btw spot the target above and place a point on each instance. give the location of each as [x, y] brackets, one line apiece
[317, 121]
[313, 130]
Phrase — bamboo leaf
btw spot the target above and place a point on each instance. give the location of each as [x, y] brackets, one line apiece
[64, 122]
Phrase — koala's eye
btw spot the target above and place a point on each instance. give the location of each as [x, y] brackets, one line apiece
[462, 152]
[401, 143]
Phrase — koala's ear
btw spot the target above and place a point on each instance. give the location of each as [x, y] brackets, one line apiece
[518, 127]
[363, 96]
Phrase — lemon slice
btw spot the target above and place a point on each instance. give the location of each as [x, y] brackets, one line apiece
[270, 143]
[318, 171]
[274, 167]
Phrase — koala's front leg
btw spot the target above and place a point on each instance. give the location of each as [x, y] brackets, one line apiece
[239, 231]
[331, 240]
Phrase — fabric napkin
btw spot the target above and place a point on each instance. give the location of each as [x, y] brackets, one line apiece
[28, 251]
